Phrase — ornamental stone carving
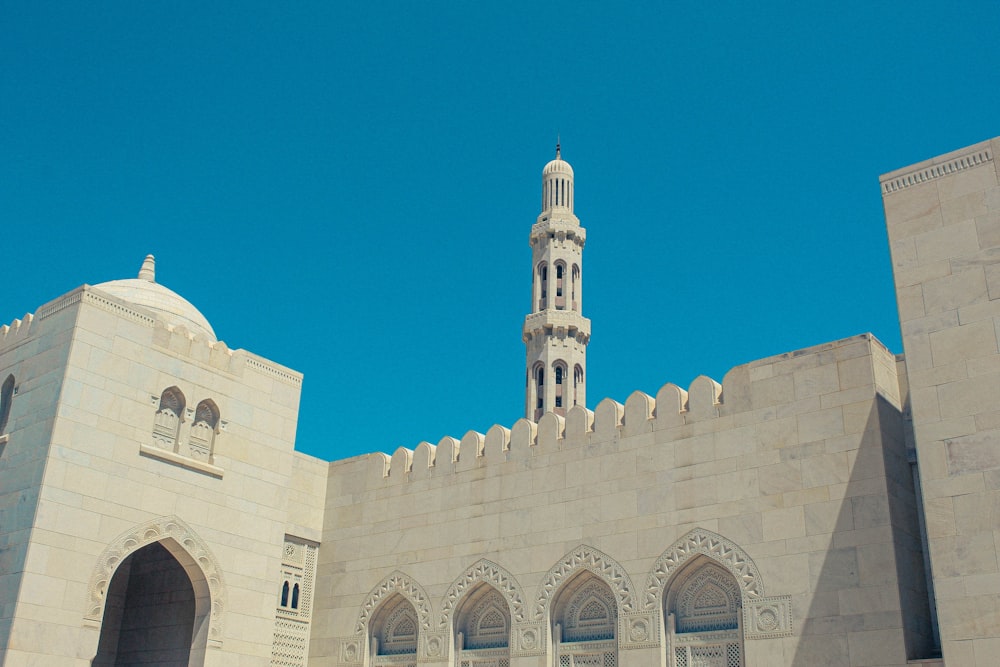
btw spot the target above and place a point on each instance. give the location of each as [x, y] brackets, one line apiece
[351, 652]
[703, 542]
[769, 617]
[494, 575]
[397, 582]
[639, 629]
[161, 529]
[529, 639]
[594, 560]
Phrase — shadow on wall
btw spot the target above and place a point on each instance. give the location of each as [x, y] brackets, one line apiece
[874, 559]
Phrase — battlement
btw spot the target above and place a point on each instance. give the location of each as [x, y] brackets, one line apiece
[16, 331]
[197, 347]
[813, 379]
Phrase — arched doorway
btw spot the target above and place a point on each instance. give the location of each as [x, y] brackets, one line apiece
[149, 613]
[702, 608]
[584, 623]
[482, 628]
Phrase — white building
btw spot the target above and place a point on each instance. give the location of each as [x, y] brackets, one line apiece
[153, 509]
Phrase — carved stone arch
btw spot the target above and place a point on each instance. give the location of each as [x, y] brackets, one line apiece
[586, 558]
[703, 542]
[397, 582]
[190, 551]
[494, 575]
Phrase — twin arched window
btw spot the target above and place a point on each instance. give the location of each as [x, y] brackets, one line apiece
[285, 590]
[169, 418]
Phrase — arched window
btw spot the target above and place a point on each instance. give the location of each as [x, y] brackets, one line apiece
[539, 390]
[6, 397]
[168, 418]
[585, 622]
[543, 286]
[206, 423]
[295, 596]
[559, 369]
[574, 282]
[702, 608]
[560, 277]
[284, 594]
[482, 628]
[577, 383]
[393, 630]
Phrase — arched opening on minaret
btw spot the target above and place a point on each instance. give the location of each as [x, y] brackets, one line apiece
[574, 287]
[577, 383]
[538, 375]
[560, 292]
[543, 285]
[561, 377]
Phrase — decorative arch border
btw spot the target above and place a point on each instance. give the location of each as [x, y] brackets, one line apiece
[489, 572]
[701, 542]
[586, 558]
[397, 582]
[158, 530]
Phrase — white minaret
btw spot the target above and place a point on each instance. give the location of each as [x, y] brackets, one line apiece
[556, 333]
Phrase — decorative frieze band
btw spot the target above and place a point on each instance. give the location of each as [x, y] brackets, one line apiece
[935, 171]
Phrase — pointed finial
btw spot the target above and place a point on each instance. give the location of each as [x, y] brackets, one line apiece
[148, 270]
[557, 146]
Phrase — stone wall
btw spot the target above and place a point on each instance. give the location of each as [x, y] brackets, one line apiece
[789, 475]
[943, 218]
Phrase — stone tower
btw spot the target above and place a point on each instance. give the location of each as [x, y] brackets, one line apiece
[555, 332]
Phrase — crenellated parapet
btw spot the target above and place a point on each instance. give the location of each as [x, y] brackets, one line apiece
[797, 381]
[15, 332]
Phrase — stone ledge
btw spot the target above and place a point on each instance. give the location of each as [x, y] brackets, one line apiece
[182, 461]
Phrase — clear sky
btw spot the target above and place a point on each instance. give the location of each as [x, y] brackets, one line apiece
[347, 188]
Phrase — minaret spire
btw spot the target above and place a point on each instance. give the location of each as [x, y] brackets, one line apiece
[556, 333]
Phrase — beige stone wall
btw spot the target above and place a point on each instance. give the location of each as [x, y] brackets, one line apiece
[34, 351]
[796, 463]
[108, 490]
[943, 219]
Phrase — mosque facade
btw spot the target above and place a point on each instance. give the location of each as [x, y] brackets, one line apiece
[832, 506]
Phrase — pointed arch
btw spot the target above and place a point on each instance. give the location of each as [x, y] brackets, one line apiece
[586, 558]
[700, 541]
[206, 425]
[6, 396]
[190, 551]
[397, 582]
[491, 573]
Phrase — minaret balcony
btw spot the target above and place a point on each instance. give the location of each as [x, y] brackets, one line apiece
[549, 321]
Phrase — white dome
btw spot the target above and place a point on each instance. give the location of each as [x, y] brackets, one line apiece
[558, 166]
[166, 304]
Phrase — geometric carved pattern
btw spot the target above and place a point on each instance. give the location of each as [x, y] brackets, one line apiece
[590, 615]
[291, 624]
[397, 582]
[586, 558]
[144, 534]
[491, 573]
[936, 171]
[707, 600]
[703, 542]
[529, 639]
[639, 629]
[768, 617]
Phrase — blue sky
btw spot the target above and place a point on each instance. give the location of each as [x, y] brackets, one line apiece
[347, 188]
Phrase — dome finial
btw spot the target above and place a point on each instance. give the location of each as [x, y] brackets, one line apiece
[148, 270]
[558, 142]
